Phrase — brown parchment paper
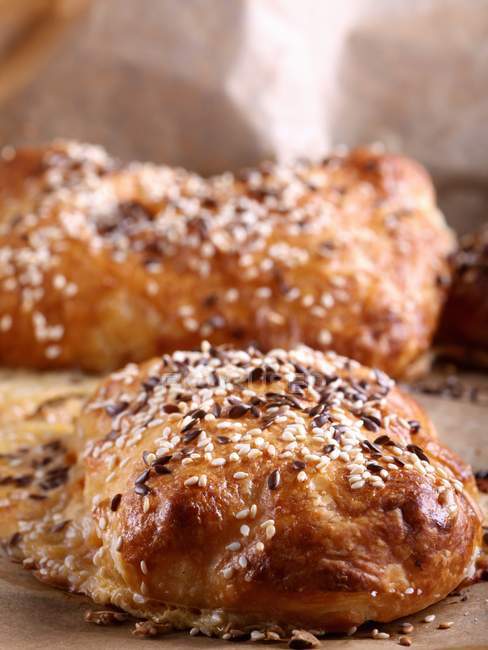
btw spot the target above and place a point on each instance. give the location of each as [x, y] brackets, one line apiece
[35, 617]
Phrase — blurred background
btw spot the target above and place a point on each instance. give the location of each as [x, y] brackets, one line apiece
[219, 84]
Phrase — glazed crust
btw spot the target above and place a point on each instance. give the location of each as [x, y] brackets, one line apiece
[464, 324]
[102, 264]
[233, 490]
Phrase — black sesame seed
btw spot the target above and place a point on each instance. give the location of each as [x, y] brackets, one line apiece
[191, 435]
[150, 383]
[116, 409]
[141, 489]
[414, 426]
[162, 460]
[274, 479]
[418, 452]
[142, 478]
[367, 445]
[114, 504]
[171, 408]
[237, 411]
[161, 469]
[223, 440]
[320, 420]
[328, 448]
[299, 464]
[369, 424]
[384, 440]
[373, 467]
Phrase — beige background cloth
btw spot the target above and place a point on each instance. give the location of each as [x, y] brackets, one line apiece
[218, 84]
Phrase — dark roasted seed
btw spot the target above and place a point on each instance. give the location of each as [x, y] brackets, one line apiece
[114, 504]
[142, 478]
[274, 479]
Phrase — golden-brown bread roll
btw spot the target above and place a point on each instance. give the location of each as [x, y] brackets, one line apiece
[234, 490]
[464, 323]
[102, 264]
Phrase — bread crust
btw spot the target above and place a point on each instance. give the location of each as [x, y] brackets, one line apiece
[101, 264]
[230, 490]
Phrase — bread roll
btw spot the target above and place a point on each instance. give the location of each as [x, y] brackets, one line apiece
[101, 264]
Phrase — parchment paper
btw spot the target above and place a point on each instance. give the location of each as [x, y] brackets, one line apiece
[34, 617]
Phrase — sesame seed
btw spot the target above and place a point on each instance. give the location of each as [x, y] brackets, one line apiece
[445, 625]
[245, 530]
[234, 546]
[240, 475]
[144, 567]
[407, 628]
[302, 476]
[429, 618]
[270, 531]
[228, 572]
[274, 479]
[193, 480]
[243, 561]
[358, 485]
[242, 514]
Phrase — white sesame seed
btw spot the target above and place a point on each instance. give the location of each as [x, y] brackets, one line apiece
[218, 462]
[240, 475]
[234, 546]
[429, 618]
[254, 453]
[302, 476]
[193, 480]
[202, 481]
[228, 572]
[242, 514]
[243, 561]
[144, 567]
[357, 485]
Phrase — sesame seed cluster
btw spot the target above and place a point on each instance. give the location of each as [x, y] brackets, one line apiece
[220, 406]
[280, 254]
